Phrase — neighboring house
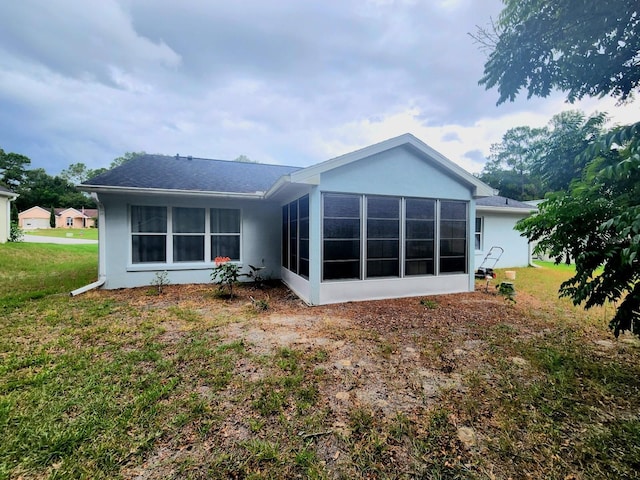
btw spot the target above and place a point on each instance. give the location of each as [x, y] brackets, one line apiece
[34, 218]
[496, 218]
[73, 218]
[390, 220]
[38, 217]
[6, 197]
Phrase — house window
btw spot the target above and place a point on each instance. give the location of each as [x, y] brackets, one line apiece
[188, 234]
[181, 234]
[341, 237]
[149, 234]
[225, 233]
[478, 234]
[69, 221]
[295, 236]
[453, 237]
[420, 230]
[383, 237]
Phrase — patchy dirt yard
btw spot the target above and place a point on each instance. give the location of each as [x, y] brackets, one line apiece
[403, 388]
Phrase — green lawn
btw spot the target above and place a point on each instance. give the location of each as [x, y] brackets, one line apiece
[130, 384]
[84, 233]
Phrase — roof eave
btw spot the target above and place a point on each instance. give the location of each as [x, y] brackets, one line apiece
[171, 192]
[483, 208]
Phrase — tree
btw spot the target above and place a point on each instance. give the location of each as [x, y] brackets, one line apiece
[52, 218]
[128, 156]
[598, 222]
[569, 134]
[13, 168]
[511, 162]
[580, 47]
[244, 159]
[39, 188]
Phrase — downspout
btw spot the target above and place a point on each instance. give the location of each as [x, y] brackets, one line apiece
[102, 276]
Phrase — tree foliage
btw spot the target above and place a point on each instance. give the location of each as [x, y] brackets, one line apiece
[598, 222]
[580, 47]
[13, 168]
[40, 188]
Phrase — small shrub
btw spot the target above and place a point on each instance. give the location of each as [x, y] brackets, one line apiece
[160, 281]
[255, 276]
[225, 274]
[507, 290]
[15, 233]
[259, 305]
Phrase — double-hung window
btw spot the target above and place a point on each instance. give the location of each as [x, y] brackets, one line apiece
[188, 234]
[225, 233]
[478, 234]
[148, 234]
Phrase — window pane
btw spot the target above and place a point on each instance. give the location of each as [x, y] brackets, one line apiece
[383, 228]
[304, 268]
[383, 249]
[304, 249]
[453, 229]
[453, 265]
[419, 249]
[285, 236]
[420, 208]
[453, 247]
[149, 248]
[451, 210]
[341, 228]
[419, 267]
[341, 206]
[341, 270]
[341, 249]
[303, 205]
[478, 224]
[383, 268]
[225, 246]
[225, 220]
[148, 219]
[188, 248]
[188, 220]
[420, 229]
[383, 207]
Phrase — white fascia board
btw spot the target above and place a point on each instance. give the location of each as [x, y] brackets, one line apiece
[524, 211]
[167, 192]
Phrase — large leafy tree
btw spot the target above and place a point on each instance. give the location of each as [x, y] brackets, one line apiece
[510, 164]
[13, 168]
[40, 188]
[569, 133]
[582, 48]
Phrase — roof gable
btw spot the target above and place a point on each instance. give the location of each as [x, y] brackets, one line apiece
[188, 174]
[35, 209]
[311, 174]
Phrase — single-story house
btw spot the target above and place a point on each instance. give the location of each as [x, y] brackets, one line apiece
[6, 197]
[496, 217]
[74, 218]
[38, 217]
[390, 220]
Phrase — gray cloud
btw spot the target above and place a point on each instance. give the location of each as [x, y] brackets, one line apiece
[85, 82]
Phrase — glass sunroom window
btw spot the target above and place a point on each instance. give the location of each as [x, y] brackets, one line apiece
[383, 237]
[453, 237]
[341, 236]
[420, 230]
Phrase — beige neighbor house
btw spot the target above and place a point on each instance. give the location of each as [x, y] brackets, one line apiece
[6, 197]
[73, 218]
[38, 217]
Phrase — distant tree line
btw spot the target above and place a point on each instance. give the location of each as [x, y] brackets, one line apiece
[37, 187]
[530, 162]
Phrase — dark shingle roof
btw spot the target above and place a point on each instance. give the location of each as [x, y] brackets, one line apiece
[499, 201]
[196, 174]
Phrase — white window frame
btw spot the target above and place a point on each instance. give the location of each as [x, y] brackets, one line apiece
[169, 263]
[478, 236]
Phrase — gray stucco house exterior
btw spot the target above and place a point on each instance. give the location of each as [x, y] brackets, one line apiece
[390, 220]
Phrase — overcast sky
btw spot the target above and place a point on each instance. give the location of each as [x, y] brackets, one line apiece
[290, 82]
